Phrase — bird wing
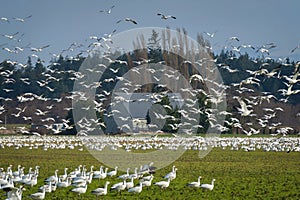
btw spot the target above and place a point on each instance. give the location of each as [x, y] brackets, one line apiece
[45, 46]
[133, 21]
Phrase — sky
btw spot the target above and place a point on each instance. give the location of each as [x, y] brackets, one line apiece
[59, 23]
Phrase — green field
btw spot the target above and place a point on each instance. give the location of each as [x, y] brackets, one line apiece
[238, 174]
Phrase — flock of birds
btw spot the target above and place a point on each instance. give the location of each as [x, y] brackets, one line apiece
[145, 143]
[244, 109]
[79, 179]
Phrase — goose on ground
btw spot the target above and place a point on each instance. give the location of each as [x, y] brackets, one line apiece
[147, 183]
[38, 195]
[124, 176]
[15, 193]
[113, 173]
[136, 189]
[130, 184]
[101, 191]
[208, 186]
[195, 184]
[65, 183]
[171, 175]
[53, 178]
[80, 190]
[163, 184]
[119, 187]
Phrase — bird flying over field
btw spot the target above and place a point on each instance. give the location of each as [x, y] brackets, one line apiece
[165, 17]
[294, 49]
[127, 20]
[108, 11]
[22, 19]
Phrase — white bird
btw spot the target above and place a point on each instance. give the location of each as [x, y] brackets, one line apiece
[101, 175]
[234, 38]
[135, 175]
[22, 19]
[39, 49]
[101, 191]
[197, 77]
[172, 174]
[8, 183]
[165, 16]
[114, 70]
[124, 176]
[5, 19]
[137, 189]
[119, 186]
[65, 175]
[130, 184]
[40, 112]
[163, 184]
[294, 49]
[65, 183]
[53, 178]
[113, 172]
[210, 34]
[108, 11]
[148, 182]
[80, 190]
[244, 111]
[208, 186]
[11, 37]
[33, 181]
[195, 184]
[127, 20]
[38, 195]
[15, 193]
[48, 187]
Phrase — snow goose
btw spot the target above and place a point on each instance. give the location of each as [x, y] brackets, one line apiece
[208, 186]
[135, 175]
[124, 176]
[102, 175]
[97, 173]
[38, 195]
[52, 178]
[101, 191]
[137, 189]
[108, 11]
[165, 17]
[91, 171]
[147, 178]
[65, 175]
[15, 193]
[163, 184]
[80, 190]
[127, 20]
[130, 184]
[195, 184]
[113, 173]
[32, 181]
[148, 182]
[9, 184]
[119, 186]
[171, 175]
[65, 183]
[18, 172]
[47, 188]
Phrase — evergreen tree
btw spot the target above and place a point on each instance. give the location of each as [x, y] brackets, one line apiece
[153, 41]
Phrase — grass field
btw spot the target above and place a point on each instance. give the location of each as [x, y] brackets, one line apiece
[238, 174]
